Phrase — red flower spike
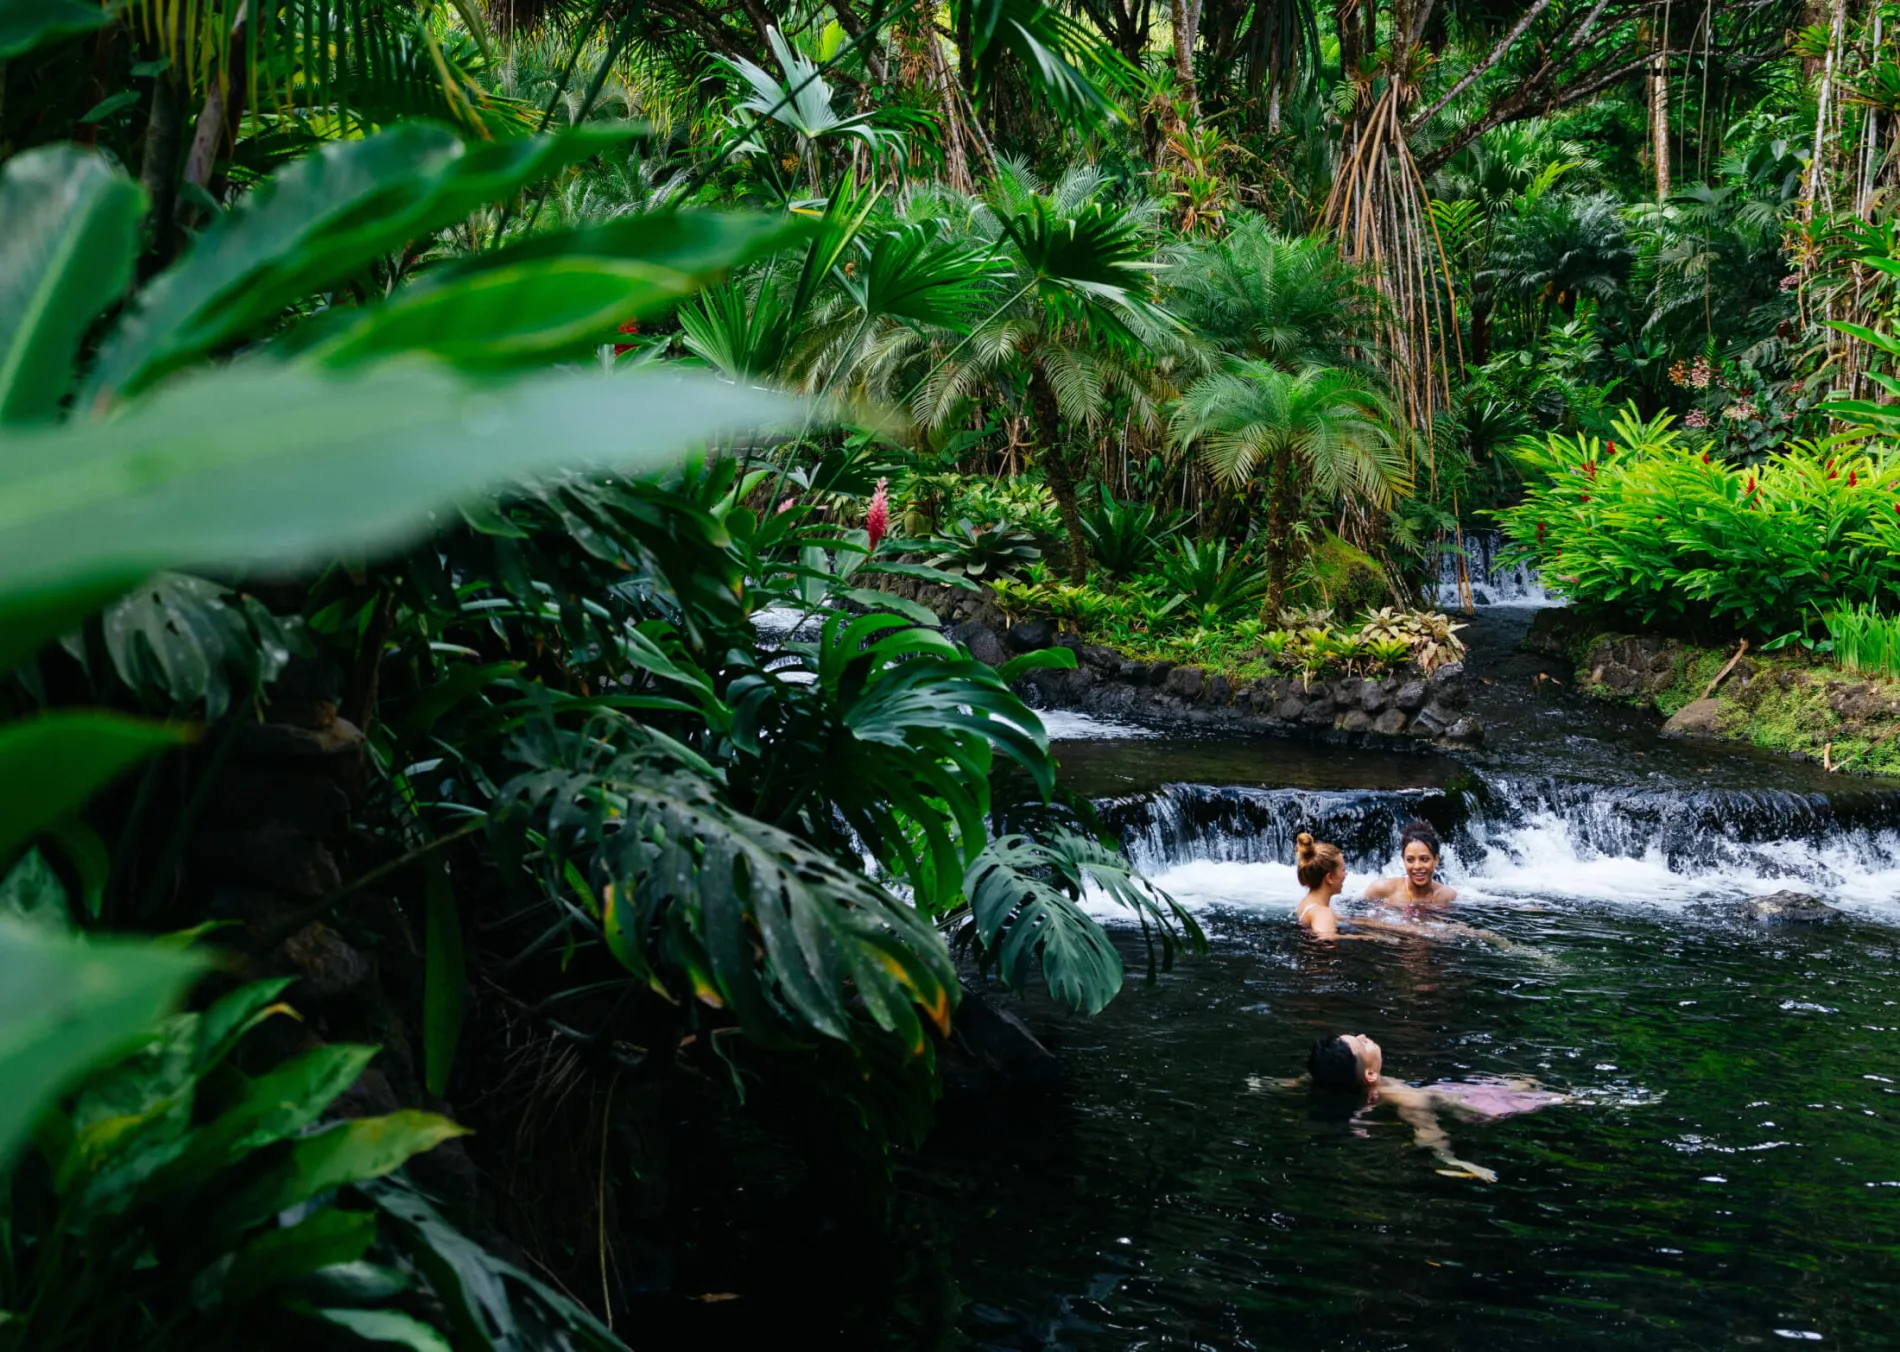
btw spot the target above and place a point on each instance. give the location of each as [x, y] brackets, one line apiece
[1540, 525]
[1705, 457]
[1850, 478]
[1611, 449]
[878, 519]
[1586, 497]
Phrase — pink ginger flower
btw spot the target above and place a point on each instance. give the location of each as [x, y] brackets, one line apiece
[1695, 417]
[878, 519]
[787, 505]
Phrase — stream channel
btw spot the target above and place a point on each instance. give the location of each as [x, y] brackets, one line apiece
[1728, 1174]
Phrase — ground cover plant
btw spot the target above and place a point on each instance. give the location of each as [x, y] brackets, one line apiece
[450, 455]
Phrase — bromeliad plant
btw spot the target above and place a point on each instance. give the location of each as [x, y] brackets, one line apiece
[1643, 525]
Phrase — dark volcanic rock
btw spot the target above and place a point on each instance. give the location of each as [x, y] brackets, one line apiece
[1031, 635]
[1391, 723]
[1185, 682]
[982, 642]
[1410, 696]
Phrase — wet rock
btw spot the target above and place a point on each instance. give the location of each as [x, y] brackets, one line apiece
[1135, 673]
[1410, 697]
[1694, 719]
[1427, 722]
[1290, 708]
[1447, 685]
[1390, 723]
[1466, 731]
[1031, 635]
[1788, 908]
[1439, 714]
[1158, 673]
[991, 1047]
[272, 858]
[982, 642]
[1319, 710]
[1220, 691]
[1100, 658]
[1372, 698]
[1357, 720]
[1185, 682]
[328, 965]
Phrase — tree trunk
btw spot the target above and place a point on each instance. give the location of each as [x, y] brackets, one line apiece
[1055, 470]
[158, 169]
[1480, 329]
[1280, 506]
[1659, 108]
[1182, 16]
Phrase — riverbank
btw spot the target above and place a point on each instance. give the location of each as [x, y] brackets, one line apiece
[1787, 702]
[1401, 707]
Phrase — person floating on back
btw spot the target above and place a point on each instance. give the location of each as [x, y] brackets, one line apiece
[1353, 1063]
[1417, 889]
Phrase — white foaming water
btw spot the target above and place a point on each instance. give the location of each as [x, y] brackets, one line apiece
[1542, 861]
[1065, 725]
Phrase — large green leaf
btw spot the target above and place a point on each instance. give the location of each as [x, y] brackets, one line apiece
[1025, 904]
[66, 254]
[315, 224]
[745, 914]
[274, 1107]
[355, 1151]
[278, 1257]
[50, 765]
[557, 294]
[192, 645]
[65, 1004]
[278, 466]
[27, 24]
[386, 1326]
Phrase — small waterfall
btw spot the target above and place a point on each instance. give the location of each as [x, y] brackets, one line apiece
[1519, 837]
[1492, 584]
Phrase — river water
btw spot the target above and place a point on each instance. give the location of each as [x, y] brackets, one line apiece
[1728, 1174]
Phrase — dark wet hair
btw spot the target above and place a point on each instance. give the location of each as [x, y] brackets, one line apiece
[1333, 1064]
[1424, 833]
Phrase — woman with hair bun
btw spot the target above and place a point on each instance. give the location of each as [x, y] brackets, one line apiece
[1418, 886]
[1322, 872]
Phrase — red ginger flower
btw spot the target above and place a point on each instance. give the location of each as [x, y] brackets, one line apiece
[878, 519]
[1540, 525]
[1850, 478]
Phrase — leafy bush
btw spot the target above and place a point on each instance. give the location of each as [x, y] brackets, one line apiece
[980, 551]
[1427, 638]
[1649, 528]
[1124, 537]
[1211, 583]
[184, 1192]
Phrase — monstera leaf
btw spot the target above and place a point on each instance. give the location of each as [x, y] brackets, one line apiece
[188, 644]
[1026, 909]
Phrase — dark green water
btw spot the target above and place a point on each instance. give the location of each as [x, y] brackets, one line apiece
[1731, 1177]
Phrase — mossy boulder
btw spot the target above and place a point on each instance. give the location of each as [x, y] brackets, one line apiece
[1340, 575]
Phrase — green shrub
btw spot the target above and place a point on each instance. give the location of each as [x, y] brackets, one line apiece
[1653, 530]
[1211, 583]
[979, 551]
[1124, 537]
[1865, 641]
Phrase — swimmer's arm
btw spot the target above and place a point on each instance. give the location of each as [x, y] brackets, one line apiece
[1379, 889]
[1415, 1110]
[1323, 924]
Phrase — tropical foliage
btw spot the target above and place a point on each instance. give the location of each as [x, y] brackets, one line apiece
[454, 466]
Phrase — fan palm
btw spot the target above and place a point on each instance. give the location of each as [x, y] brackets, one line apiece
[1320, 428]
[1257, 293]
[1072, 325]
